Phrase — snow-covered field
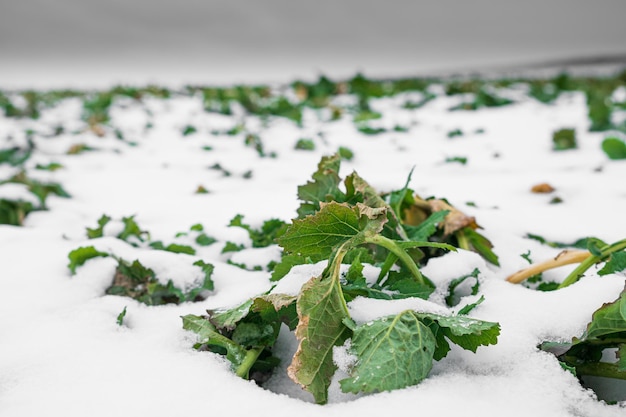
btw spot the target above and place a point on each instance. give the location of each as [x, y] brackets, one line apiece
[62, 351]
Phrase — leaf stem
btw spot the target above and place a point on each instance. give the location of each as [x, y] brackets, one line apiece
[462, 240]
[400, 253]
[243, 370]
[565, 257]
[602, 369]
[605, 252]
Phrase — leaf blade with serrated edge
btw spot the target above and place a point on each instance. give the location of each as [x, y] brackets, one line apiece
[467, 332]
[319, 234]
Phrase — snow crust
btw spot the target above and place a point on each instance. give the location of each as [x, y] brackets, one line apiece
[61, 351]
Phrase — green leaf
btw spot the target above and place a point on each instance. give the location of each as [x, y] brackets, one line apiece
[286, 263]
[596, 246]
[120, 317]
[321, 311]
[469, 307]
[609, 320]
[132, 229]
[305, 145]
[14, 156]
[319, 234]
[359, 288]
[98, 231]
[136, 281]
[176, 248]
[208, 335]
[481, 245]
[621, 356]
[355, 272]
[393, 352]
[323, 188]
[204, 240]
[228, 319]
[452, 299]
[427, 228]
[616, 263]
[345, 153]
[408, 287]
[207, 283]
[614, 148]
[467, 332]
[81, 255]
[14, 212]
[564, 139]
[232, 247]
[263, 237]
[275, 308]
[249, 334]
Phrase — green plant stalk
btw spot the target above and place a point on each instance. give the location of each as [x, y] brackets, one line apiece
[243, 370]
[462, 240]
[602, 369]
[334, 267]
[577, 273]
[400, 253]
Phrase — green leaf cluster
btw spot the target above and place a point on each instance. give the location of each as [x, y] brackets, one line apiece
[263, 237]
[564, 139]
[14, 211]
[131, 233]
[350, 225]
[138, 282]
[407, 219]
[246, 333]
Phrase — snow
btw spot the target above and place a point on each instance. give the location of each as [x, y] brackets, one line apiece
[61, 350]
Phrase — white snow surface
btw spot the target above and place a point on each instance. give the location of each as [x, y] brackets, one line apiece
[62, 352]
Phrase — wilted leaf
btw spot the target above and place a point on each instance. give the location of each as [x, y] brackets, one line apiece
[455, 219]
[321, 312]
[543, 188]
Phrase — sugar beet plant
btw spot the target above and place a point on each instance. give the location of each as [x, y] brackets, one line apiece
[351, 226]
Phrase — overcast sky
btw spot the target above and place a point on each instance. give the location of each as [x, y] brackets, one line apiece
[215, 41]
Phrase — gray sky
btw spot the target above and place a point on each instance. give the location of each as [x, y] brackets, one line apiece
[214, 41]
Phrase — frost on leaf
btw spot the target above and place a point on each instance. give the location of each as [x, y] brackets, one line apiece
[397, 351]
[393, 352]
